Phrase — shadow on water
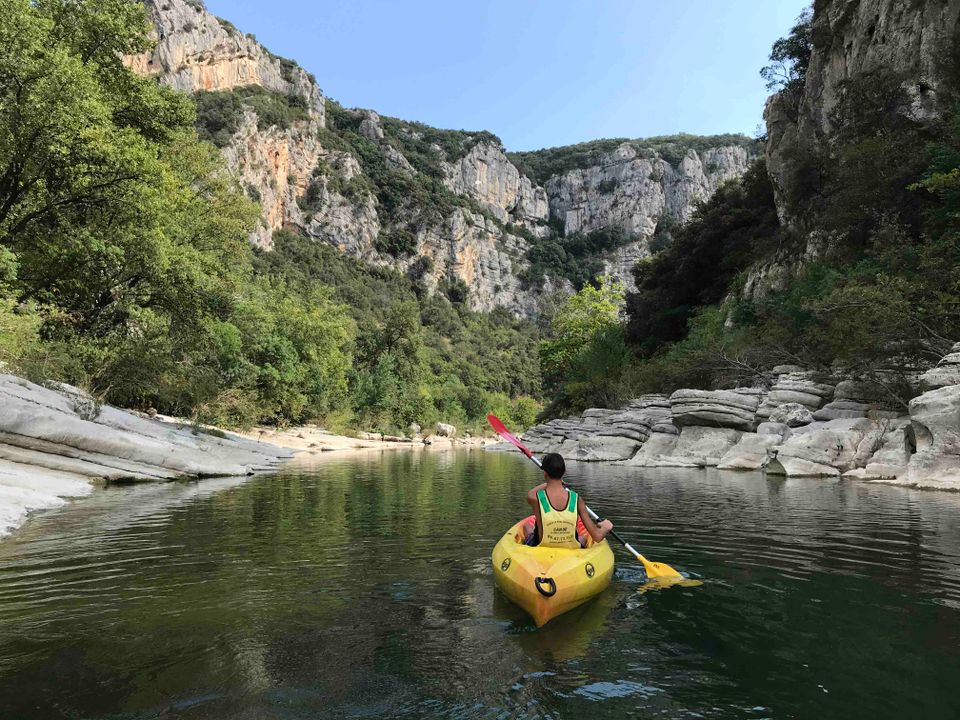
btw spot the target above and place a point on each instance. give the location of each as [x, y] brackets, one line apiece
[360, 586]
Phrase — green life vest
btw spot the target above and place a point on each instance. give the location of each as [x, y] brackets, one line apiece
[559, 526]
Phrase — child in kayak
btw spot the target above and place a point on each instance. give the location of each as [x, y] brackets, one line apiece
[559, 509]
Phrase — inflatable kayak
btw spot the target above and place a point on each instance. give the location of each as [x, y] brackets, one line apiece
[547, 582]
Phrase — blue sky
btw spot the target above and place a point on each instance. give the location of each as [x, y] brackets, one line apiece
[538, 73]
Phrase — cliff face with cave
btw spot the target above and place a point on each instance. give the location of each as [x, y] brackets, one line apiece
[467, 212]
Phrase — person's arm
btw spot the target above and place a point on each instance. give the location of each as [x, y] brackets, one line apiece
[597, 532]
[532, 495]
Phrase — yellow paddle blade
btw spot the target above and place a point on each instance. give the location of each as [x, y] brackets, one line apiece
[660, 576]
[659, 571]
[663, 583]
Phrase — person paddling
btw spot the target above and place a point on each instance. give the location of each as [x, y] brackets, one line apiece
[558, 508]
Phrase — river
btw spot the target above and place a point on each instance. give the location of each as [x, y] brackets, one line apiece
[358, 586]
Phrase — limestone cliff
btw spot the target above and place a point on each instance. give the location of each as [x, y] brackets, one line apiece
[911, 44]
[636, 190]
[198, 51]
[915, 40]
[486, 175]
[443, 205]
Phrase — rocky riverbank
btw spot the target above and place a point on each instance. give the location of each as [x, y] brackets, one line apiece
[800, 423]
[58, 443]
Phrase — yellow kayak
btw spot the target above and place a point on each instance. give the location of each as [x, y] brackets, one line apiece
[547, 582]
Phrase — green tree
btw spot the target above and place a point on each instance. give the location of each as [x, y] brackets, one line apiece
[585, 354]
[790, 59]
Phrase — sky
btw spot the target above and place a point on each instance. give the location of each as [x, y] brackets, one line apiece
[537, 73]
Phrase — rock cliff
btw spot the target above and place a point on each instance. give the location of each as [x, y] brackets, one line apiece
[198, 51]
[362, 184]
[636, 190]
[855, 434]
[881, 44]
[851, 38]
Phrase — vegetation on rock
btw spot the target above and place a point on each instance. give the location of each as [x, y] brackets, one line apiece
[578, 257]
[723, 238]
[220, 113]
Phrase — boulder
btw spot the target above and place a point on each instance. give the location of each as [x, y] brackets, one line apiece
[796, 387]
[55, 441]
[935, 421]
[446, 430]
[865, 391]
[649, 401]
[751, 453]
[666, 427]
[858, 399]
[947, 371]
[658, 445]
[823, 449]
[735, 409]
[842, 409]
[600, 448]
[792, 415]
[890, 457]
[772, 428]
[696, 446]
[600, 433]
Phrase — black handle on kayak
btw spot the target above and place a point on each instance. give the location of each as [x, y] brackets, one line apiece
[550, 582]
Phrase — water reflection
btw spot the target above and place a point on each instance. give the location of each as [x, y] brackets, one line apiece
[359, 586]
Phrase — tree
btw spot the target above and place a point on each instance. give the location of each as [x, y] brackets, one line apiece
[582, 359]
[790, 60]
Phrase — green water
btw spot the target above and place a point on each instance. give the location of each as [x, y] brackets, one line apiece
[359, 587]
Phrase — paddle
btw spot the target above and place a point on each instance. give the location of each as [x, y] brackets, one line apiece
[655, 571]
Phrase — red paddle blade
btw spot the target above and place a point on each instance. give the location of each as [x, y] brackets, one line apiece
[500, 429]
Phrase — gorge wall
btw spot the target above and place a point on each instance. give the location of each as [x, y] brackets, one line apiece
[443, 205]
[912, 45]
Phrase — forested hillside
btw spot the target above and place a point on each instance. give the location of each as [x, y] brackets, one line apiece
[125, 265]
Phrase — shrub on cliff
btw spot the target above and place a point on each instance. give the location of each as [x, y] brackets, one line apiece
[219, 113]
[790, 59]
[578, 257]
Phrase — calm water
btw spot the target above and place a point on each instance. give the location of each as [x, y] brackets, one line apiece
[358, 586]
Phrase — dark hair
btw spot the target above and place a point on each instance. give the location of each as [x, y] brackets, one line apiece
[553, 465]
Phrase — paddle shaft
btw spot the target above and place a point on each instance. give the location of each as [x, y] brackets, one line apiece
[590, 512]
